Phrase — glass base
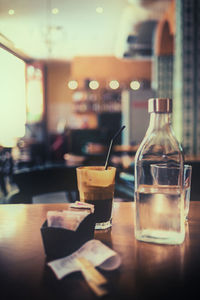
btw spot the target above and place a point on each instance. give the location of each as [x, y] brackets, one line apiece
[103, 225]
[160, 237]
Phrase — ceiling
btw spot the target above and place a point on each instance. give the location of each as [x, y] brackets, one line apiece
[62, 29]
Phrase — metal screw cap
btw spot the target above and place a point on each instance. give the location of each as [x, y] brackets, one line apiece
[160, 105]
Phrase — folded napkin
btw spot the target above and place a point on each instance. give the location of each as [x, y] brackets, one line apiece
[94, 251]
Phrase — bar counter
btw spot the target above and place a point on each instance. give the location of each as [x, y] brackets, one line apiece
[147, 271]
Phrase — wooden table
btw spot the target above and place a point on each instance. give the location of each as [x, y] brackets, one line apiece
[148, 271]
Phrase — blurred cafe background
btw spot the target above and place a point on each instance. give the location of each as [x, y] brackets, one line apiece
[73, 72]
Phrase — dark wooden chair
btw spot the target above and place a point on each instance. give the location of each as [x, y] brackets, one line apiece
[43, 180]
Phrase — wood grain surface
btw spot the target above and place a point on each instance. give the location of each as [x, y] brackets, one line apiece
[147, 271]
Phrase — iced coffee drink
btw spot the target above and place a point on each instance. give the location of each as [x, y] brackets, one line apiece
[96, 186]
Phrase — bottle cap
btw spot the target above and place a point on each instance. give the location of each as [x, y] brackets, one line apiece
[160, 105]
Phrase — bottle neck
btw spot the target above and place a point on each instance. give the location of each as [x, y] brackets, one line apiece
[160, 121]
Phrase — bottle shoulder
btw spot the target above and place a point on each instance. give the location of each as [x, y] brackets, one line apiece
[159, 146]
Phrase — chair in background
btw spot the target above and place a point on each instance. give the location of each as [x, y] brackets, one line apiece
[44, 180]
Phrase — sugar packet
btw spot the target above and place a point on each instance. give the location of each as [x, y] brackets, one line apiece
[68, 219]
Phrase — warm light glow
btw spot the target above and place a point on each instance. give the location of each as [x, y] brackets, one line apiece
[94, 84]
[78, 95]
[11, 12]
[72, 84]
[55, 11]
[12, 98]
[35, 100]
[99, 10]
[114, 84]
[30, 71]
[16, 217]
[135, 85]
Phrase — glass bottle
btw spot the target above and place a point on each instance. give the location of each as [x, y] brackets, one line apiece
[159, 193]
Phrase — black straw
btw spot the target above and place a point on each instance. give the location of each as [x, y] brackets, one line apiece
[111, 144]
